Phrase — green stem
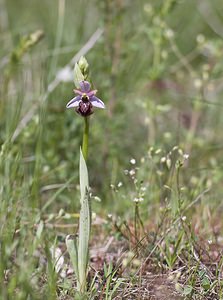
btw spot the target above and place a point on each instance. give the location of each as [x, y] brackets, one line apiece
[135, 225]
[85, 138]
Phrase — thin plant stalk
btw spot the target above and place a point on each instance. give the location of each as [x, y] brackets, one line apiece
[85, 138]
[135, 225]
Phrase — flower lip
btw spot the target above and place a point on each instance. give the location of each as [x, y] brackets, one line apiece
[85, 109]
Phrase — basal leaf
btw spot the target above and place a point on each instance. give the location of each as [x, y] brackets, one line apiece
[71, 243]
[84, 223]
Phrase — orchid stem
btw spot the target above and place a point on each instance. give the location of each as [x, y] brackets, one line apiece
[85, 138]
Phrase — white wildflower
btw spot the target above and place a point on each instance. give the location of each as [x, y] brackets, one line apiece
[133, 161]
[120, 184]
[132, 172]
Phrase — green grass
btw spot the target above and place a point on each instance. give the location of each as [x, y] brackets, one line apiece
[158, 67]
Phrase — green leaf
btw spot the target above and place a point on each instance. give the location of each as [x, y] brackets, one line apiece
[71, 243]
[187, 290]
[201, 273]
[206, 283]
[84, 223]
[78, 76]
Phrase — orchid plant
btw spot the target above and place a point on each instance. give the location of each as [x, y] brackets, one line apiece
[84, 103]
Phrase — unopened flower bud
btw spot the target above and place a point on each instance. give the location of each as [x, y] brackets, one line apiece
[84, 66]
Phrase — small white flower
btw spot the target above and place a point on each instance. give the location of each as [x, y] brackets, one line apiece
[158, 151]
[163, 159]
[120, 184]
[136, 199]
[133, 161]
[186, 156]
[97, 198]
[132, 172]
[143, 188]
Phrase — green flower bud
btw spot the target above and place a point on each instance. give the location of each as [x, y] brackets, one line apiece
[84, 66]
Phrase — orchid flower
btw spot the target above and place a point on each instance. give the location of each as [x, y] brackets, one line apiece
[85, 100]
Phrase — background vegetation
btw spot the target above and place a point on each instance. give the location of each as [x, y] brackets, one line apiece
[155, 158]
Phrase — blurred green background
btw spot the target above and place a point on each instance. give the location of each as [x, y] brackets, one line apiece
[157, 66]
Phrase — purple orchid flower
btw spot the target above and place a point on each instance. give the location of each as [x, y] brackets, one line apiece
[85, 100]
